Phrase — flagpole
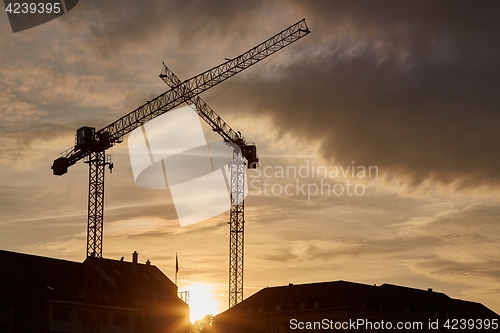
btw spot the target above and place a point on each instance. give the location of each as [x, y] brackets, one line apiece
[176, 267]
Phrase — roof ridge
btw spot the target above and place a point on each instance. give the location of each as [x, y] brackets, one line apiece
[36, 255]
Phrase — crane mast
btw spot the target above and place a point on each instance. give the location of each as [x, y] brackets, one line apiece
[91, 146]
[236, 229]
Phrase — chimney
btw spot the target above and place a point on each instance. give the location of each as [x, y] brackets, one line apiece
[148, 262]
[135, 259]
[429, 290]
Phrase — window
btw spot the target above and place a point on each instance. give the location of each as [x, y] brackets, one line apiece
[78, 293]
[290, 306]
[316, 305]
[61, 314]
[302, 305]
[278, 307]
[249, 309]
[121, 320]
[261, 308]
[103, 317]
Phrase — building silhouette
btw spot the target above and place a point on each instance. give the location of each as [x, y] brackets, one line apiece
[39, 294]
[328, 306]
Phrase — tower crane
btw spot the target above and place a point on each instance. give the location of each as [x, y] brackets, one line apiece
[91, 146]
[237, 210]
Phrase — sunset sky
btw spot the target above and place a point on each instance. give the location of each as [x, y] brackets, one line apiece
[408, 88]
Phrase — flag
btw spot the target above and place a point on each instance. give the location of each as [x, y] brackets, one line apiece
[176, 263]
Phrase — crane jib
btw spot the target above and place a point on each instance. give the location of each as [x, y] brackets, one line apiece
[218, 125]
[185, 91]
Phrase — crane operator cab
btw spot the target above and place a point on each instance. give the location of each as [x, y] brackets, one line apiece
[250, 153]
[85, 136]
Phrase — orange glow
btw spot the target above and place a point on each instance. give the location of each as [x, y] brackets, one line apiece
[201, 301]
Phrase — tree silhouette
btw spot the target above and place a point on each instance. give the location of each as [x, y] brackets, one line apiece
[203, 325]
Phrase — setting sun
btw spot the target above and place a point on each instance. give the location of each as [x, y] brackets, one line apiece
[201, 301]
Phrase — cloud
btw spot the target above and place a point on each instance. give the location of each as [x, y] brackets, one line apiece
[65, 248]
[116, 26]
[409, 89]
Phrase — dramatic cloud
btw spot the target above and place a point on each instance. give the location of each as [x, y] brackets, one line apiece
[410, 89]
